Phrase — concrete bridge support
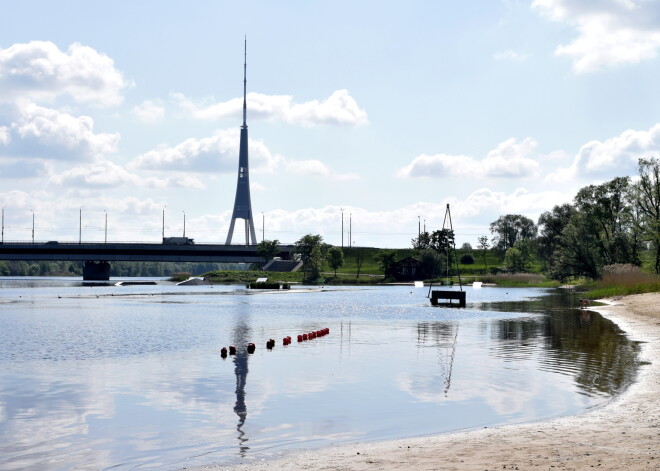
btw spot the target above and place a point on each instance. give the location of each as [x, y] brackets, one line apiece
[96, 271]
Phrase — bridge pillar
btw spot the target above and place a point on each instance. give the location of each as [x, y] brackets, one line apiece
[96, 271]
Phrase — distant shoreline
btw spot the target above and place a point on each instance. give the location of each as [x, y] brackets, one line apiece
[624, 434]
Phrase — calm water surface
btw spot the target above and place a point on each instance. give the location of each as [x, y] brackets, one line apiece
[131, 377]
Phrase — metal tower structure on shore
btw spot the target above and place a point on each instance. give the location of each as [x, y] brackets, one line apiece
[242, 202]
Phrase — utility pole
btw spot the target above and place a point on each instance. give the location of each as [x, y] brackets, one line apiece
[419, 228]
[32, 225]
[342, 228]
[164, 221]
[3, 224]
[184, 223]
[106, 226]
[80, 227]
[350, 229]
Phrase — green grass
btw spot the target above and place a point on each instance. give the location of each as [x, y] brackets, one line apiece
[228, 276]
[623, 281]
[520, 280]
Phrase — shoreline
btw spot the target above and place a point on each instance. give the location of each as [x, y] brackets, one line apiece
[623, 434]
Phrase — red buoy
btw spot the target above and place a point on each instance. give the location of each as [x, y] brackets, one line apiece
[223, 352]
[305, 336]
[300, 338]
[251, 348]
[232, 350]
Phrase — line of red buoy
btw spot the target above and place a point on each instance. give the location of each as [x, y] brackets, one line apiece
[270, 344]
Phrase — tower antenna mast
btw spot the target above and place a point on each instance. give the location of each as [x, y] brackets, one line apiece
[242, 202]
[245, 84]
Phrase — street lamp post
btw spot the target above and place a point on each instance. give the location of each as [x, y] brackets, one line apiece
[164, 221]
[32, 225]
[3, 224]
[263, 226]
[350, 229]
[342, 228]
[80, 227]
[184, 223]
[106, 226]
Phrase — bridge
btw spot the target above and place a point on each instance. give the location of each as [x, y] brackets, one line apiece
[98, 255]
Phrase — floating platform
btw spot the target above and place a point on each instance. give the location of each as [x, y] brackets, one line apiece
[449, 297]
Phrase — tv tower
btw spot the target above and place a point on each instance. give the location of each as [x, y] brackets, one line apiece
[242, 202]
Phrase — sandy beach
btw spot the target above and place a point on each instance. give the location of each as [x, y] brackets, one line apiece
[622, 435]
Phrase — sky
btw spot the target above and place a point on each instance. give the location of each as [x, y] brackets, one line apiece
[382, 111]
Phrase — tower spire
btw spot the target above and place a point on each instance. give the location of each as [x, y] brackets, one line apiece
[242, 203]
[245, 83]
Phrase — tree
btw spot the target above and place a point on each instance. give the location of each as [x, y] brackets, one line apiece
[647, 199]
[359, 260]
[423, 242]
[483, 245]
[551, 224]
[335, 258]
[268, 249]
[576, 252]
[386, 260]
[608, 214]
[510, 228]
[310, 249]
[514, 261]
[467, 259]
[466, 246]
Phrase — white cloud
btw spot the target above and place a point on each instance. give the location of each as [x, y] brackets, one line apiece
[509, 160]
[510, 55]
[105, 174]
[219, 153]
[613, 157]
[46, 133]
[39, 70]
[338, 109]
[4, 135]
[22, 169]
[149, 112]
[611, 32]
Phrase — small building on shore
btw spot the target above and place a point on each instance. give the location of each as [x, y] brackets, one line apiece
[409, 269]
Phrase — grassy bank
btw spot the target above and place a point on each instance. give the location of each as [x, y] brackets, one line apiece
[621, 281]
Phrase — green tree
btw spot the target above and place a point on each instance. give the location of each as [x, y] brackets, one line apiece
[335, 258]
[647, 199]
[386, 260]
[310, 249]
[514, 260]
[268, 249]
[551, 225]
[483, 245]
[510, 228]
[467, 259]
[423, 242]
[609, 215]
[576, 252]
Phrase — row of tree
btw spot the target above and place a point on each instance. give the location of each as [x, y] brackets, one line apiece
[614, 222]
[611, 223]
[122, 269]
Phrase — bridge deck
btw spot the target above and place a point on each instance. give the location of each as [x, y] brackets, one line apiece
[133, 252]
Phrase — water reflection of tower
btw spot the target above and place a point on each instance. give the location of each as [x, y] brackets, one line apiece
[241, 334]
[444, 334]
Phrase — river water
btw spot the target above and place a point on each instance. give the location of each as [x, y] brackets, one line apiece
[125, 377]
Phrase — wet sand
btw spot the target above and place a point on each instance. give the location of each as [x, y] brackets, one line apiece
[623, 435]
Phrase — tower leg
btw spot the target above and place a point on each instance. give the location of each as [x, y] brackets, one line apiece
[252, 233]
[231, 231]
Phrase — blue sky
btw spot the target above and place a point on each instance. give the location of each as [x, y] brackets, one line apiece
[389, 110]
